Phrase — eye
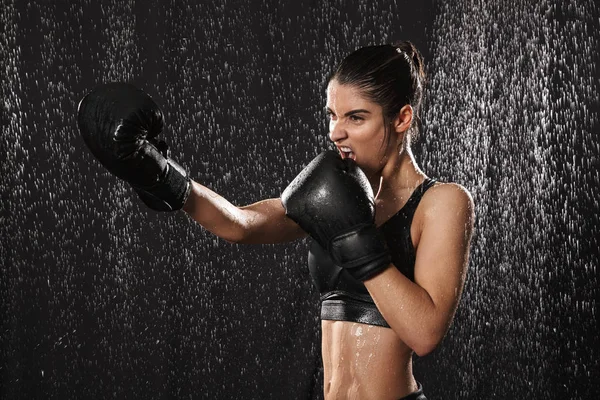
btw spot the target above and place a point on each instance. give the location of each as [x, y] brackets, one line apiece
[355, 118]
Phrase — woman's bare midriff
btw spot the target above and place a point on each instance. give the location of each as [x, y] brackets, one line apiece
[365, 362]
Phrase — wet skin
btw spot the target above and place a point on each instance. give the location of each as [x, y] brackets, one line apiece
[371, 362]
[366, 361]
[362, 361]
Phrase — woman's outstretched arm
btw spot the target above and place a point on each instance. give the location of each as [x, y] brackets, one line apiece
[261, 222]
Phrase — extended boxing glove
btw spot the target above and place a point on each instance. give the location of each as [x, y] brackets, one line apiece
[332, 200]
[120, 123]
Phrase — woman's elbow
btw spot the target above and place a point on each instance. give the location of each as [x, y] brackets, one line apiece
[231, 234]
[422, 349]
[427, 344]
[237, 236]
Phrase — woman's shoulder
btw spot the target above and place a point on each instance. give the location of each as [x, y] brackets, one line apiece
[448, 197]
[450, 189]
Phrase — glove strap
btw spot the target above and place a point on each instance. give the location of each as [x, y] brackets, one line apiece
[362, 251]
[170, 193]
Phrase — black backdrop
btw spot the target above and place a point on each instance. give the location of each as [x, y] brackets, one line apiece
[102, 298]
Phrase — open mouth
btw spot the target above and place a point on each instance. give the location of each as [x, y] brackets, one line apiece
[346, 152]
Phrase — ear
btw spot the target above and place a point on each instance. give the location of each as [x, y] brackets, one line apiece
[403, 119]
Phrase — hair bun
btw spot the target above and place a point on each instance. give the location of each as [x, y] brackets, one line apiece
[414, 56]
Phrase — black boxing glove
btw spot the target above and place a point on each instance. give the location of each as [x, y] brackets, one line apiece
[332, 200]
[119, 123]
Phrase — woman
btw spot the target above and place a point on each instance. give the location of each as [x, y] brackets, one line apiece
[405, 295]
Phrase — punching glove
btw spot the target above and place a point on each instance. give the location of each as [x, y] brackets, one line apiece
[120, 124]
[332, 200]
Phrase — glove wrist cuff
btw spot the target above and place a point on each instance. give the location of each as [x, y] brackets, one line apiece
[361, 251]
[170, 193]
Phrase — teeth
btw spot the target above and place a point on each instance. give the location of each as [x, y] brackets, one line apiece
[347, 153]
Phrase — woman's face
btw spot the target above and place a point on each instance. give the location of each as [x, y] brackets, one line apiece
[357, 128]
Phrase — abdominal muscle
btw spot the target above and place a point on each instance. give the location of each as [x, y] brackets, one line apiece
[365, 362]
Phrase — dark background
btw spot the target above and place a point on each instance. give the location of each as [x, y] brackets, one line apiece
[102, 298]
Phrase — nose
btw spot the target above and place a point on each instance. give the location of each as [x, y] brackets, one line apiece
[336, 131]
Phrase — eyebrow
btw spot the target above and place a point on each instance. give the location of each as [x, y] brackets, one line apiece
[351, 112]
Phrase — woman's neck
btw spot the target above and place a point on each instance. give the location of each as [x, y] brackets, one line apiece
[401, 172]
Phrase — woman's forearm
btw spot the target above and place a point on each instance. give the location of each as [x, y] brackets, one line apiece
[261, 222]
[215, 213]
[409, 310]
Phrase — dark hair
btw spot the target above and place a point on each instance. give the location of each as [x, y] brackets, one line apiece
[389, 75]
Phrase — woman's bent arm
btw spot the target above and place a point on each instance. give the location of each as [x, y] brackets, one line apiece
[261, 222]
[420, 312]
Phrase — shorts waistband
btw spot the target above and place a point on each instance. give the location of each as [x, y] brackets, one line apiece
[418, 395]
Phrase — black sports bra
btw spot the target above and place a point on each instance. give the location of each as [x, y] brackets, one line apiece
[345, 299]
